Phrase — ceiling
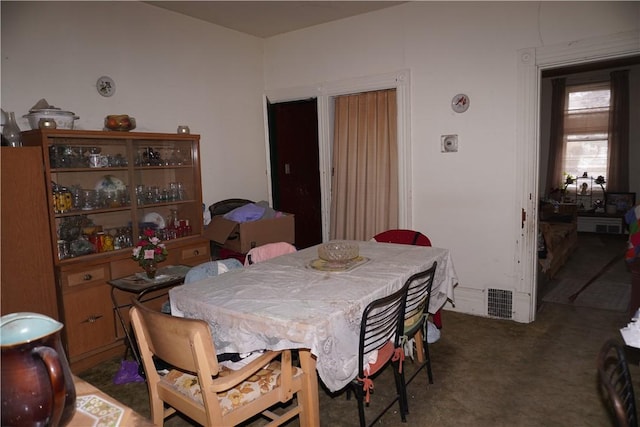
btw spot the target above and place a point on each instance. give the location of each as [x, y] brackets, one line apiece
[269, 18]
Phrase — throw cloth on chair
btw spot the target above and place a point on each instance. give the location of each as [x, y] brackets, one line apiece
[430, 330]
[204, 270]
[211, 269]
[268, 251]
[376, 360]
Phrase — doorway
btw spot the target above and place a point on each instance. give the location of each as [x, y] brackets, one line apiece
[582, 73]
[323, 95]
[531, 62]
[295, 166]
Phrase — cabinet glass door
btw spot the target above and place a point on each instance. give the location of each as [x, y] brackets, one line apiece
[90, 195]
[167, 188]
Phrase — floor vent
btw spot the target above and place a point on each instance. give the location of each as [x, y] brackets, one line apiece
[500, 303]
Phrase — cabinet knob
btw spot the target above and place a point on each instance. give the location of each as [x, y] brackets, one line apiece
[92, 319]
[87, 277]
[196, 252]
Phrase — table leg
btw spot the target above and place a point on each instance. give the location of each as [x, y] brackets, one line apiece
[310, 416]
[129, 344]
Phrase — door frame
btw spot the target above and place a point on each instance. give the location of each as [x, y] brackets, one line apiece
[531, 63]
[325, 94]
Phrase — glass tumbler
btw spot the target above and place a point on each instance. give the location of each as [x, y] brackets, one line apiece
[89, 199]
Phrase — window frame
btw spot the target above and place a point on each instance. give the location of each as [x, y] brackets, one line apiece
[591, 131]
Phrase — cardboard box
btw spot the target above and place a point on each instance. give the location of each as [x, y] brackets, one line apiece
[240, 237]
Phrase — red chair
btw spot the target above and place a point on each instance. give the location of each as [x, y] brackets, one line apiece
[408, 237]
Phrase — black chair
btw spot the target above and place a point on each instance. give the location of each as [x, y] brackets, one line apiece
[380, 331]
[224, 206]
[615, 379]
[415, 319]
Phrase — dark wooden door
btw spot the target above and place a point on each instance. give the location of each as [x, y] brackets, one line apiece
[295, 170]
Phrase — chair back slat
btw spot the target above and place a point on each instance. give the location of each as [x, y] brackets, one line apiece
[419, 296]
[381, 323]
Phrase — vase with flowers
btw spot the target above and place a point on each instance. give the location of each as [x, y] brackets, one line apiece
[149, 252]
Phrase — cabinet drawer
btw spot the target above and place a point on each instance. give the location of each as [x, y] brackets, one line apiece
[85, 276]
[195, 254]
[89, 320]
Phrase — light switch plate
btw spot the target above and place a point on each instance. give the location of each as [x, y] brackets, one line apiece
[449, 143]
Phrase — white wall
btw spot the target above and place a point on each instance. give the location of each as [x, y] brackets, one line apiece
[169, 70]
[465, 201]
[172, 70]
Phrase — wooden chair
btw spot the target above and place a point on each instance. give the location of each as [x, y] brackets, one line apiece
[408, 237]
[198, 386]
[418, 297]
[615, 379]
[380, 331]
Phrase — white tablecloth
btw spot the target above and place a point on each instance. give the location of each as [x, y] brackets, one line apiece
[631, 332]
[284, 304]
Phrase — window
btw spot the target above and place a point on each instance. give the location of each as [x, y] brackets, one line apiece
[586, 129]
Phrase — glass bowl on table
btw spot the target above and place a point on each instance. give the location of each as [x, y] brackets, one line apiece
[338, 251]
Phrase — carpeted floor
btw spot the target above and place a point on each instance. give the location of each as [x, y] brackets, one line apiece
[595, 275]
[487, 373]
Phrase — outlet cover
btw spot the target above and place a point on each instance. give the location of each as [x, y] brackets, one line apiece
[449, 143]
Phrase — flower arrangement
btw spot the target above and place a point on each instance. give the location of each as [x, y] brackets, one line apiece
[149, 250]
[600, 181]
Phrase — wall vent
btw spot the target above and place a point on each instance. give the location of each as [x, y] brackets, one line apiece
[500, 303]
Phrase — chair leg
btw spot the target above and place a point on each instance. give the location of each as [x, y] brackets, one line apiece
[427, 360]
[418, 339]
[401, 389]
[157, 410]
[357, 390]
[437, 319]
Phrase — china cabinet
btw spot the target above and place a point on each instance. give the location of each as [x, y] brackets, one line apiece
[104, 190]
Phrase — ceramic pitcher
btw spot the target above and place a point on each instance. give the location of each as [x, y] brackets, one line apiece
[37, 385]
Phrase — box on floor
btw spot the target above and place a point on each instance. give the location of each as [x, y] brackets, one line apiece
[241, 237]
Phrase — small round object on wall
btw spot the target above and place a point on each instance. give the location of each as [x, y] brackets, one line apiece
[106, 86]
[460, 103]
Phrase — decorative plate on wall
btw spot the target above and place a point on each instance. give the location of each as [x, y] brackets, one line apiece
[106, 86]
[460, 103]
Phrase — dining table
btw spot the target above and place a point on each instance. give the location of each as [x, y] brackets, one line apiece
[297, 301]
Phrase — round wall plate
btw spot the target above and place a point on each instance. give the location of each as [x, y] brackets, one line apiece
[106, 86]
[460, 103]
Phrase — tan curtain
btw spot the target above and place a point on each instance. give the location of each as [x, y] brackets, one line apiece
[556, 135]
[364, 185]
[618, 167]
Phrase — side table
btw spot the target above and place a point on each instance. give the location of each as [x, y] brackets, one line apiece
[139, 285]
